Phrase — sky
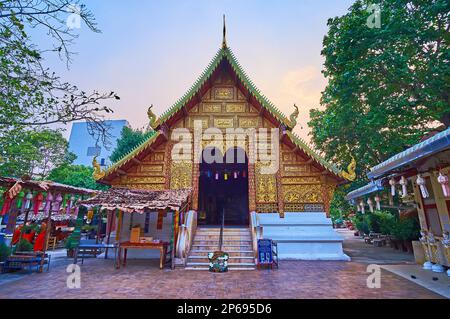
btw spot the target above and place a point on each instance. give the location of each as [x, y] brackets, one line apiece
[151, 52]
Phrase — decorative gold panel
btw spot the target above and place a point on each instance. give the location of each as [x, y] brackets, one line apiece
[303, 208]
[223, 93]
[194, 109]
[302, 193]
[246, 122]
[224, 122]
[267, 208]
[266, 186]
[235, 108]
[300, 180]
[151, 168]
[212, 108]
[204, 120]
[181, 175]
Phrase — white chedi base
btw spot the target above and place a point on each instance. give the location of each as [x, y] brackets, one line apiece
[427, 265]
[437, 268]
[303, 236]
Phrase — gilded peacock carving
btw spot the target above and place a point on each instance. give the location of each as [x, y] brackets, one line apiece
[294, 116]
[98, 173]
[350, 175]
[152, 117]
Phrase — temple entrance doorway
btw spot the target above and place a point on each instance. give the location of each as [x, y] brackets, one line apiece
[223, 188]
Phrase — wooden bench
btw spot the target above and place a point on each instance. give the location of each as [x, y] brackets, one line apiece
[26, 260]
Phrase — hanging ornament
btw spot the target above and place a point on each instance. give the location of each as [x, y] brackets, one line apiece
[404, 183]
[58, 201]
[392, 183]
[235, 175]
[19, 202]
[208, 173]
[225, 176]
[358, 209]
[423, 187]
[217, 176]
[48, 203]
[443, 180]
[378, 202]
[38, 199]
[90, 214]
[244, 174]
[370, 203]
[28, 198]
[361, 203]
[6, 203]
[69, 204]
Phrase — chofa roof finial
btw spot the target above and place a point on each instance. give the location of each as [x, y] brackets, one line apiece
[224, 41]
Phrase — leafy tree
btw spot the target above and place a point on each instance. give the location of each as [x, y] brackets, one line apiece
[128, 140]
[31, 95]
[75, 175]
[33, 153]
[387, 86]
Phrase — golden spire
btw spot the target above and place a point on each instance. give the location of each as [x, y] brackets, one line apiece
[224, 41]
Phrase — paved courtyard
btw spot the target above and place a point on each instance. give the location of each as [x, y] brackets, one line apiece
[294, 279]
[143, 279]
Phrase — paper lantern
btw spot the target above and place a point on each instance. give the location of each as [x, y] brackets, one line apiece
[378, 202]
[392, 183]
[423, 187]
[443, 180]
[404, 183]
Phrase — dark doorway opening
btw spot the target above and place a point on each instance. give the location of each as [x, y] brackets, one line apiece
[223, 186]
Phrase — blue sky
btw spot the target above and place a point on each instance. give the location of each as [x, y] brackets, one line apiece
[151, 52]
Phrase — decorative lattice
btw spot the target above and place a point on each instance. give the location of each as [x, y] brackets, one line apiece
[267, 208]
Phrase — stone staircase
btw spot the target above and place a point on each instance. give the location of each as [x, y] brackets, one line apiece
[237, 242]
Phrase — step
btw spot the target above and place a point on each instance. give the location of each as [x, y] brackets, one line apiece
[229, 238]
[194, 264]
[229, 268]
[228, 251]
[234, 260]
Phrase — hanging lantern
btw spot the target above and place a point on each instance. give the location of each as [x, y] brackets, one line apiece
[38, 200]
[392, 183]
[48, 203]
[378, 202]
[20, 197]
[90, 215]
[235, 175]
[208, 173]
[358, 209]
[28, 198]
[69, 204]
[443, 180]
[217, 176]
[404, 183]
[225, 176]
[423, 187]
[6, 203]
[370, 203]
[361, 203]
[58, 201]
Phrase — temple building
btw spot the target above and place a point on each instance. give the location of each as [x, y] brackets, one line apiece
[289, 194]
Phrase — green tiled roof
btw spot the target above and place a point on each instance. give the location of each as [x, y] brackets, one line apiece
[148, 139]
[225, 53]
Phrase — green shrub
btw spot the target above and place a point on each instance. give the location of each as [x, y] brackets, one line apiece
[360, 222]
[5, 252]
[23, 245]
[386, 221]
[406, 229]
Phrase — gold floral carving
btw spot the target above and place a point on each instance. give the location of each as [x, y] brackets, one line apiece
[204, 120]
[224, 122]
[302, 193]
[156, 187]
[151, 168]
[235, 108]
[181, 175]
[266, 186]
[300, 180]
[212, 108]
[223, 93]
[145, 180]
[248, 122]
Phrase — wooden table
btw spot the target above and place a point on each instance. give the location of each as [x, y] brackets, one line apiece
[161, 246]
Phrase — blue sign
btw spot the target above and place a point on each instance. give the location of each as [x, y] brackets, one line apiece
[265, 251]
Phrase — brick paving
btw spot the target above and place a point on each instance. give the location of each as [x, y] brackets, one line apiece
[143, 279]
